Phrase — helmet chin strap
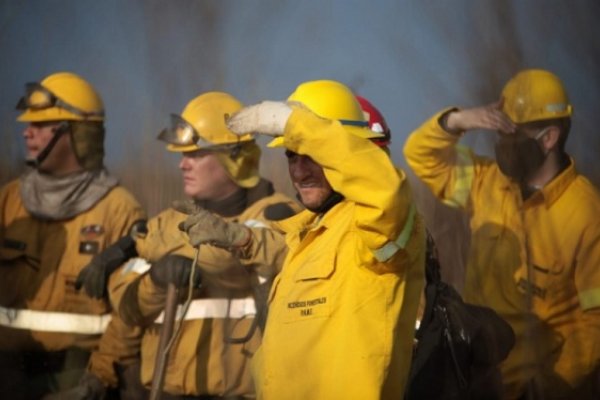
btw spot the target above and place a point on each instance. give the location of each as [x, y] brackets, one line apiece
[58, 132]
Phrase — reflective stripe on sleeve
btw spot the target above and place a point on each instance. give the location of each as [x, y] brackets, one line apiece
[216, 308]
[390, 248]
[589, 298]
[48, 321]
[137, 265]
[464, 178]
[254, 223]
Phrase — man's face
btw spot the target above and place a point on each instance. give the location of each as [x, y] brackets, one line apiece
[61, 158]
[204, 178]
[308, 180]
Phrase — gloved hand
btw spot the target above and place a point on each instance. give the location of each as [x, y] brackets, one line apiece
[93, 277]
[267, 117]
[90, 387]
[202, 227]
[175, 269]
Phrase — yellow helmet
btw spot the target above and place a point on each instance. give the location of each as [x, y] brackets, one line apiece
[201, 125]
[535, 95]
[62, 96]
[332, 100]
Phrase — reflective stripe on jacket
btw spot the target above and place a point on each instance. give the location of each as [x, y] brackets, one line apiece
[215, 308]
[45, 321]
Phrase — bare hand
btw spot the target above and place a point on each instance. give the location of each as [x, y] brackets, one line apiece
[489, 117]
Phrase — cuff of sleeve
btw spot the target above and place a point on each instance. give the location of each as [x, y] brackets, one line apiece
[390, 248]
[443, 122]
[440, 131]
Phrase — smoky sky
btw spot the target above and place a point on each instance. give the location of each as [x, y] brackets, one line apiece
[148, 58]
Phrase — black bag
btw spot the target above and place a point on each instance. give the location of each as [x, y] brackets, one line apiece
[459, 345]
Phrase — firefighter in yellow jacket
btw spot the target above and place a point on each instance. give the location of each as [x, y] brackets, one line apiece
[342, 310]
[53, 219]
[535, 243]
[220, 331]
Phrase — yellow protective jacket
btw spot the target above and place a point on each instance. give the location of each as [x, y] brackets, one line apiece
[548, 246]
[342, 310]
[39, 263]
[204, 359]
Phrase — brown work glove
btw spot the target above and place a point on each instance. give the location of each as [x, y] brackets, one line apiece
[94, 276]
[204, 227]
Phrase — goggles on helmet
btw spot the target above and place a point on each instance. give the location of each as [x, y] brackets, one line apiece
[38, 97]
[181, 133]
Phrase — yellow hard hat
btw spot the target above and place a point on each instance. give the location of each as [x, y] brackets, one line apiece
[201, 125]
[62, 96]
[332, 100]
[535, 95]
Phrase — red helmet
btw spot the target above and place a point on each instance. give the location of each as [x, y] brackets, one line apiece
[376, 122]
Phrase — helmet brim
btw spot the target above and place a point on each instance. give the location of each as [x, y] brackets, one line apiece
[53, 114]
[362, 132]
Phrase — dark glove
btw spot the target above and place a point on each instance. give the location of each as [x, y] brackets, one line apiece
[93, 277]
[89, 388]
[202, 226]
[174, 269]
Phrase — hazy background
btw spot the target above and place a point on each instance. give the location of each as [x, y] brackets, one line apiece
[148, 58]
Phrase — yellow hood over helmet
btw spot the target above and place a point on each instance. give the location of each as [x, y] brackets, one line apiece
[243, 165]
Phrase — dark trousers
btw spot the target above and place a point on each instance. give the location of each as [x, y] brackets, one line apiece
[30, 375]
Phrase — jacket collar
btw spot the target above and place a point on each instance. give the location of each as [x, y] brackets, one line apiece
[557, 186]
[307, 220]
[553, 189]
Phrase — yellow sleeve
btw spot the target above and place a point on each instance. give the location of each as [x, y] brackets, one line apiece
[120, 344]
[363, 174]
[266, 252]
[580, 354]
[446, 167]
[587, 273]
[138, 301]
[164, 237]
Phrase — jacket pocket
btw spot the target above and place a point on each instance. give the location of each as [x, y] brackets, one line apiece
[543, 273]
[310, 291]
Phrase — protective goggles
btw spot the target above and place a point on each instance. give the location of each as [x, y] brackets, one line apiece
[182, 134]
[38, 97]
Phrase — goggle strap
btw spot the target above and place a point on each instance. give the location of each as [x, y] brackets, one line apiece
[55, 101]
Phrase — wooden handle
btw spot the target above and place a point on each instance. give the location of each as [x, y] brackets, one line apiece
[162, 355]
